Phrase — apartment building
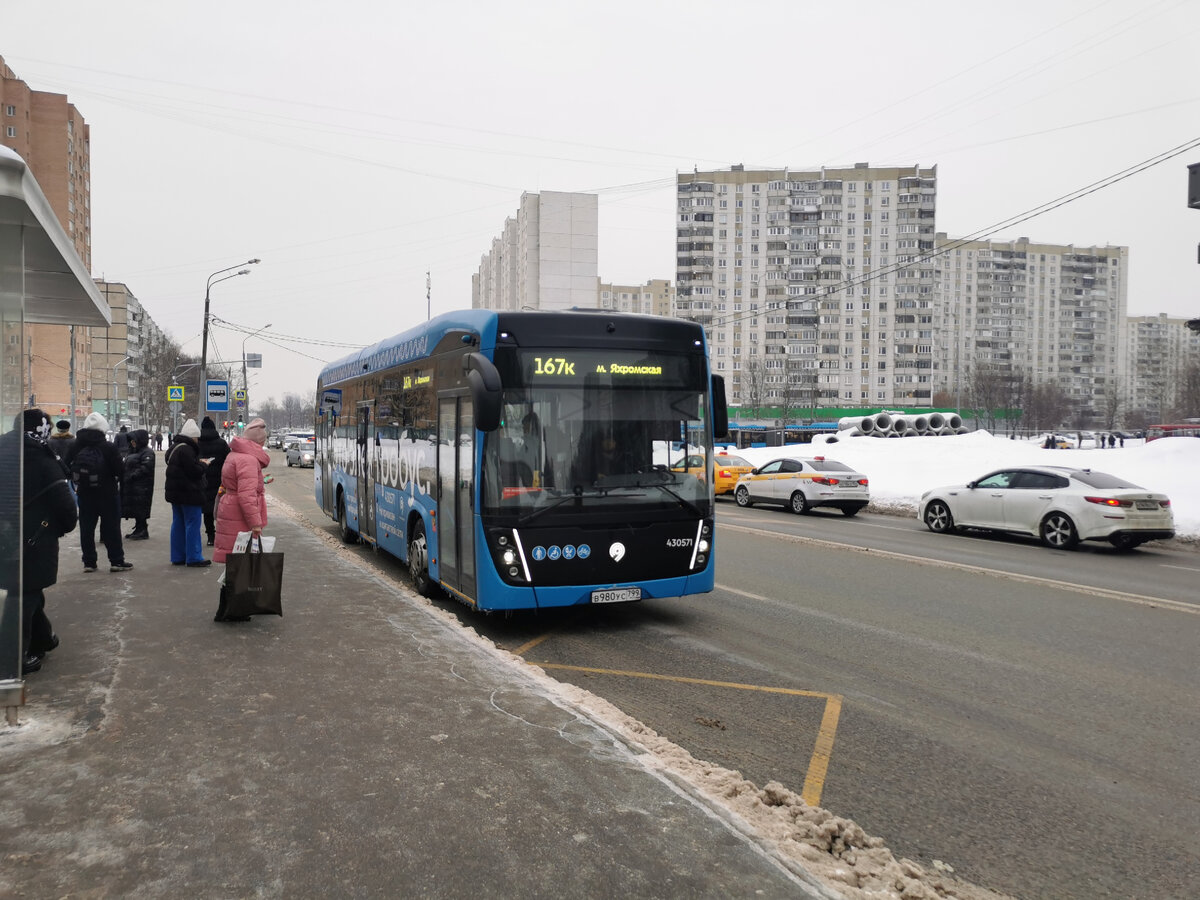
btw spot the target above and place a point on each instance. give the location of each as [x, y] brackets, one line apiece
[120, 355]
[544, 258]
[816, 288]
[1161, 350]
[1047, 312]
[54, 140]
[654, 298]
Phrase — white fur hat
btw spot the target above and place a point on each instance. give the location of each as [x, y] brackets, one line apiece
[96, 422]
[190, 429]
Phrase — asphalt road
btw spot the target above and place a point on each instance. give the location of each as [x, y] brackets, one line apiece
[1026, 716]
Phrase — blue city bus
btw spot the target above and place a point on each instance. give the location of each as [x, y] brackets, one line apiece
[522, 460]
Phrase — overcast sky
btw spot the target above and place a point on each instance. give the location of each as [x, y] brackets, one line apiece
[356, 146]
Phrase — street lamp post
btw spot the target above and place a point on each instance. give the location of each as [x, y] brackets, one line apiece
[112, 401]
[245, 384]
[212, 279]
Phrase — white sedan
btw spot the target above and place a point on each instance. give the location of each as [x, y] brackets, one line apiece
[801, 484]
[1061, 506]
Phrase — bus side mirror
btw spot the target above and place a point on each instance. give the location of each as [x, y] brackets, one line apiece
[486, 391]
[720, 410]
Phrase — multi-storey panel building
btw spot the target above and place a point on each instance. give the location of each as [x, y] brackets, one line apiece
[654, 298]
[545, 258]
[1035, 311]
[119, 356]
[814, 287]
[1161, 350]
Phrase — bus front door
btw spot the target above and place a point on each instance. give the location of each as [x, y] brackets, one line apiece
[456, 493]
[367, 461]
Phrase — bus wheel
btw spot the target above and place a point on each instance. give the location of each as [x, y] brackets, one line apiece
[348, 535]
[418, 560]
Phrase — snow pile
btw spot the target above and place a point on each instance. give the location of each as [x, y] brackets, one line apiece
[900, 471]
[809, 839]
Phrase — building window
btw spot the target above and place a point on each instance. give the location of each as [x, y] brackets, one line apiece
[10, 110]
[11, 131]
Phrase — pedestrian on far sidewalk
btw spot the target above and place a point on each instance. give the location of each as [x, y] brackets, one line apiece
[97, 470]
[214, 449]
[185, 493]
[48, 506]
[137, 490]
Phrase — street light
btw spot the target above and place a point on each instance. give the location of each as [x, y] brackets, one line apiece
[212, 279]
[113, 399]
[245, 384]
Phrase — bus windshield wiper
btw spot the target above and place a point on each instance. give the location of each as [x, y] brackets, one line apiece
[579, 494]
[683, 501]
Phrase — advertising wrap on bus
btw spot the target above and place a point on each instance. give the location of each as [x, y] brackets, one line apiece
[522, 460]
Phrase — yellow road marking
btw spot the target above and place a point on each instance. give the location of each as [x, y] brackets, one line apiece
[818, 766]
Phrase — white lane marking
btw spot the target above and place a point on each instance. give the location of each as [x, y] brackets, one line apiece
[1184, 568]
[1122, 596]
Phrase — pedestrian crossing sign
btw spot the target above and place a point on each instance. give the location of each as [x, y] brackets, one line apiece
[175, 393]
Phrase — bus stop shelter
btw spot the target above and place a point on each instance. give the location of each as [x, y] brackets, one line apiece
[42, 281]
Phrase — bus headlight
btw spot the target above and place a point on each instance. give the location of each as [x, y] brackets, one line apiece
[703, 546]
[509, 558]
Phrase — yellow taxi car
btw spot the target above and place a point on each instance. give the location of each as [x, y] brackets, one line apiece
[802, 484]
[729, 469]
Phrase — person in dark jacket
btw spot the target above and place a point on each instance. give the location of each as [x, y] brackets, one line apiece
[62, 440]
[137, 489]
[121, 441]
[101, 502]
[213, 448]
[185, 493]
[48, 513]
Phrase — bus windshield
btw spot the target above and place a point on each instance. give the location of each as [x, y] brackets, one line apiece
[597, 434]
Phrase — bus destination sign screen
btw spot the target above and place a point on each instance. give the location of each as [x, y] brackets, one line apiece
[613, 368]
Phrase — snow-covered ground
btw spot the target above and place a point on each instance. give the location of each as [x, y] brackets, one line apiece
[901, 469]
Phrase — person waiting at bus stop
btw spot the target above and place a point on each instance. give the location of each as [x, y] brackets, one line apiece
[47, 508]
[242, 505]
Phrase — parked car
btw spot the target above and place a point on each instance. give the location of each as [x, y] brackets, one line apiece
[275, 441]
[300, 450]
[1059, 505]
[803, 484]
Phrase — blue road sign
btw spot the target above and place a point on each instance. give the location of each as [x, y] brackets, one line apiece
[217, 396]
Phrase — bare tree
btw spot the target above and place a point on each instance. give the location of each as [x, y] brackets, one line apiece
[1111, 403]
[1047, 406]
[1187, 403]
[988, 389]
[754, 386]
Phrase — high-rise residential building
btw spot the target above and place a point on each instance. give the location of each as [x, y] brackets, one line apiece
[654, 298]
[545, 258]
[1035, 311]
[51, 136]
[815, 288]
[1161, 351]
[120, 355]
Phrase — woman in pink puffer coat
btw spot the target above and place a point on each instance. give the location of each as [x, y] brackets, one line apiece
[242, 503]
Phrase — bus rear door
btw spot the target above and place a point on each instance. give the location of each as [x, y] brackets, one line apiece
[456, 493]
[367, 462]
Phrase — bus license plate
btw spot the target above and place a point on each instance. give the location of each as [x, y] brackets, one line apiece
[618, 595]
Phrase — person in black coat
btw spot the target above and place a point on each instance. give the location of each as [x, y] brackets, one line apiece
[121, 441]
[49, 512]
[101, 503]
[62, 440]
[137, 489]
[185, 493]
[213, 448]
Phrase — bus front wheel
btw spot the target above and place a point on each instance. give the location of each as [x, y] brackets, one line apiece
[348, 535]
[418, 560]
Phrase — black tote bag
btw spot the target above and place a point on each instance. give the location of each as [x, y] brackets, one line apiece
[254, 583]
